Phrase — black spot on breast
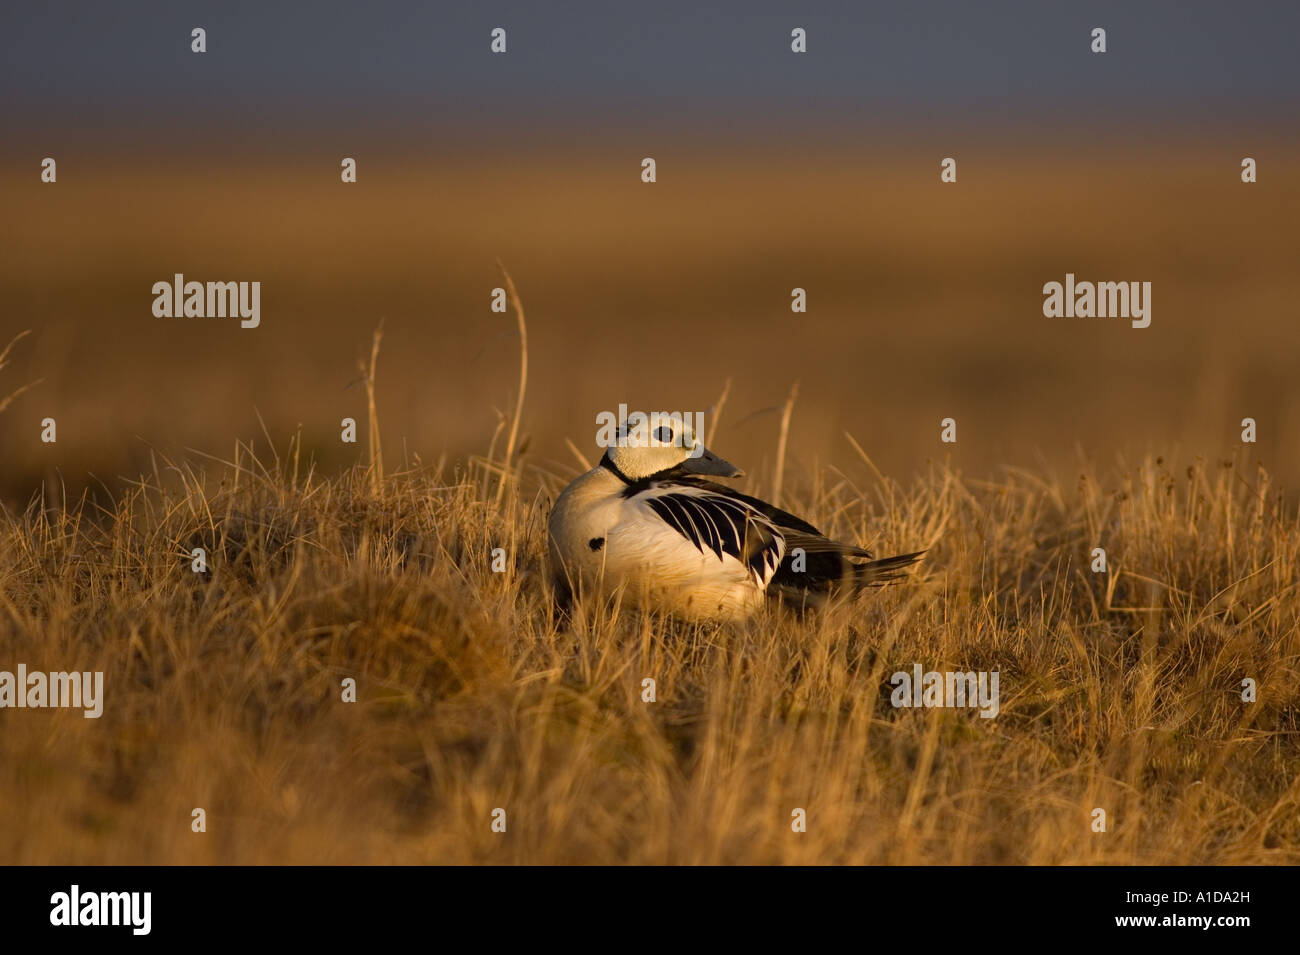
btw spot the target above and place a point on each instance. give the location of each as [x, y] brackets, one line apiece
[596, 543]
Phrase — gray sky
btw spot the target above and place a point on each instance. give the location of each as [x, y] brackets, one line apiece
[285, 64]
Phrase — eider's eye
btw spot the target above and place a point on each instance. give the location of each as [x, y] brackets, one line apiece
[664, 434]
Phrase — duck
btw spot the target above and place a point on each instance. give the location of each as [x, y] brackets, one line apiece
[650, 521]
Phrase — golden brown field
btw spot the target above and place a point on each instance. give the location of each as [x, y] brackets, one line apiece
[1119, 690]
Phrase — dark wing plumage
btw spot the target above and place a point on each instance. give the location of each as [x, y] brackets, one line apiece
[721, 524]
[788, 556]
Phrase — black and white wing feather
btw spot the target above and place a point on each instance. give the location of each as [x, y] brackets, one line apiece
[721, 523]
[785, 555]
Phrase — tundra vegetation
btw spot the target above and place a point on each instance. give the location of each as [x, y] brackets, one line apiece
[224, 689]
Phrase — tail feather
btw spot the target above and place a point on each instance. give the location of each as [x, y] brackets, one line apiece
[873, 573]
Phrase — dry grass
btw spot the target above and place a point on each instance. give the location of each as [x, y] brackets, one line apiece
[7, 399]
[223, 690]
[1119, 690]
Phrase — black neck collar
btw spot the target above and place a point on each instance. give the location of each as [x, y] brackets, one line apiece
[676, 473]
[612, 468]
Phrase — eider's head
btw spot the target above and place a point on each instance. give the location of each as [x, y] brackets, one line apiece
[662, 445]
